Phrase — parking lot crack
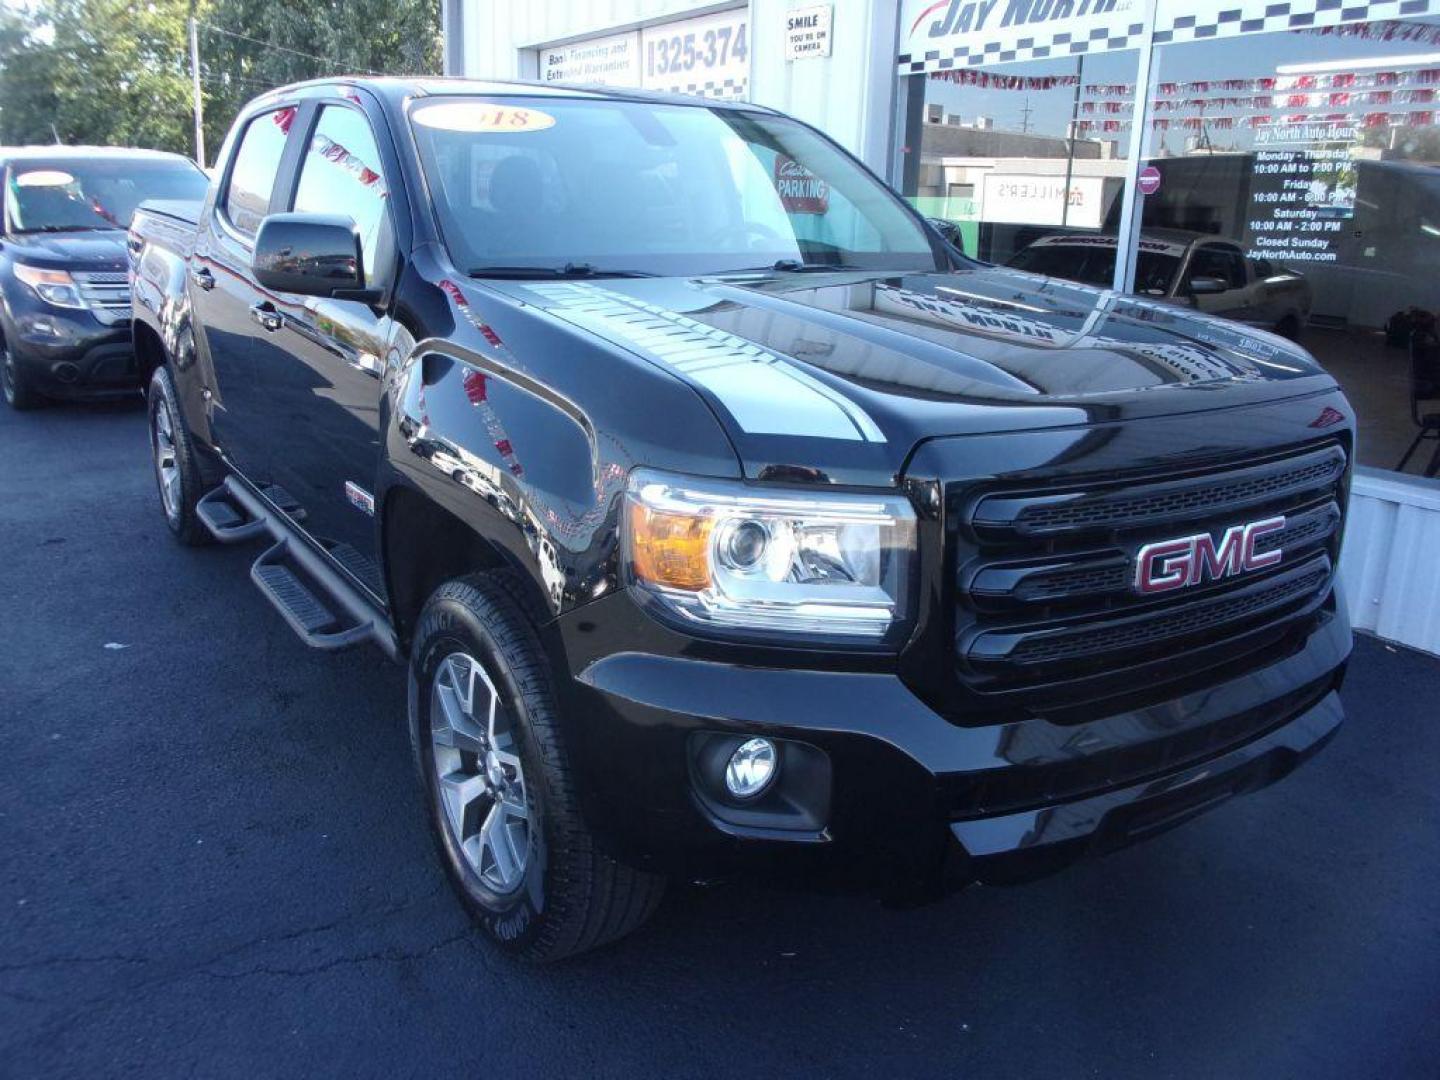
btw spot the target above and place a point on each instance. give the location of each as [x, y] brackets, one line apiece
[389, 956]
[65, 961]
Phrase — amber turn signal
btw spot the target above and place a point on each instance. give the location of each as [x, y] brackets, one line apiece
[670, 550]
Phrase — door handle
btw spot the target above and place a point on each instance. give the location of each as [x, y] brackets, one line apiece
[203, 278]
[265, 314]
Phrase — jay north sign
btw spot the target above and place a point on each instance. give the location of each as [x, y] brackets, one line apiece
[968, 16]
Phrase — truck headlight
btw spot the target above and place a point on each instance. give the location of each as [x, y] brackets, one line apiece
[53, 286]
[753, 561]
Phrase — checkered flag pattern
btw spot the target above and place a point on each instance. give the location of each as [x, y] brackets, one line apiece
[724, 89]
[1260, 17]
[1176, 21]
[1038, 45]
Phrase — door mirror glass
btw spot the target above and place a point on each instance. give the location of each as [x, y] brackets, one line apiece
[309, 254]
[1208, 286]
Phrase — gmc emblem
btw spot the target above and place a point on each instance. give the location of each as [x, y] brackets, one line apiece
[1189, 560]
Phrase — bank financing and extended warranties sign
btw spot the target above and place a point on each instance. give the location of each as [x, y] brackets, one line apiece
[613, 60]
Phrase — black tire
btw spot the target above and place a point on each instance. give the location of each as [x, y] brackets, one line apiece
[570, 897]
[15, 384]
[1289, 327]
[195, 476]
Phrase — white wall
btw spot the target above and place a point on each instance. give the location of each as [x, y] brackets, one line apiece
[497, 31]
[1391, 573]
[850, 95]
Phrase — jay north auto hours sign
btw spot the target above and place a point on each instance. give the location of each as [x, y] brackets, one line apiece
[1302, 191]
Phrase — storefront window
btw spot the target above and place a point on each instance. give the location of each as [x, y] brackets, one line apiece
[999, 153]
[1291, 169]
[1302, 170]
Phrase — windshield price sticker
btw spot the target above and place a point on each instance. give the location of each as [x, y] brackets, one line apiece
[478, 116]
[44, 178]
[801, 191]
[705, 55]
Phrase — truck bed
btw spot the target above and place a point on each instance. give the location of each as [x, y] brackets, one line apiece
[186, 211]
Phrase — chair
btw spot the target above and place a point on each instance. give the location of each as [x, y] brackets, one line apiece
[1424, 386]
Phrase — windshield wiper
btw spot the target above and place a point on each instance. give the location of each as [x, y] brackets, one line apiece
[793, 266]
[569, 270]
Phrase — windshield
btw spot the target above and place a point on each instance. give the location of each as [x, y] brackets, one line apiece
[626, 187]
[53, 196]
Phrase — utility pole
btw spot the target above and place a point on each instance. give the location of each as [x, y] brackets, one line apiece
[1025, 116]
[195, 87]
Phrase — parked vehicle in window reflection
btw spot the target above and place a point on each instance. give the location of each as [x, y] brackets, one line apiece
[1193, 269]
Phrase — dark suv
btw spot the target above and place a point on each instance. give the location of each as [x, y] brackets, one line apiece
[725, 516]
[65, 326]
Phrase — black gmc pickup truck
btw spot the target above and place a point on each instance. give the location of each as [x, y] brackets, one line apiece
[727, 518]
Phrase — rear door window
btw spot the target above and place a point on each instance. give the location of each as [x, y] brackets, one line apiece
[340, 174]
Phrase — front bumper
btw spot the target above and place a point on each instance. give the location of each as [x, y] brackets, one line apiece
[77, 356]
[916, 801]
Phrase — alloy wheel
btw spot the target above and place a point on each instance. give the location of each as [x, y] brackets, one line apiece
[7, 375]
[167, 467]
[478, 772]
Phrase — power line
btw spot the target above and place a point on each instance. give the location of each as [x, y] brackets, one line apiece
[282, 48]
[218, 79]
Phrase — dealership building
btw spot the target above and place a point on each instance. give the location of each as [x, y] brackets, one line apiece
[1288, 148]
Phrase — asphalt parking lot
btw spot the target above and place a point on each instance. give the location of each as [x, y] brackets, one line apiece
[215, 864]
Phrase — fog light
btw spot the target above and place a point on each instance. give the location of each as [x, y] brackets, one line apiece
[750, 768]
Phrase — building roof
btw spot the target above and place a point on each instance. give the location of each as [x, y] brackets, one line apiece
[953, 140]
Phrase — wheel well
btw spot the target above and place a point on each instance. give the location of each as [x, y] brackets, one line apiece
[149, 350]
[425, 546]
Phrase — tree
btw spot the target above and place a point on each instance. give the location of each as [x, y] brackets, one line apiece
[118, 72]
[27, 91]
[249, 46]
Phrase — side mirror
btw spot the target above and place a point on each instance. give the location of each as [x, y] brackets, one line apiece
[949, 232]
[1208, 286]
[310, 254]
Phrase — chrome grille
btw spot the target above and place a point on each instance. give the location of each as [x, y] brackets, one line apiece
[106, 293]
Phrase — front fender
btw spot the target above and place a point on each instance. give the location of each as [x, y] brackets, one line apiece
[160, 300]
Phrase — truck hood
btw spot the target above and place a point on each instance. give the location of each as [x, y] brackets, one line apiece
[871, 363]
[82, 249]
